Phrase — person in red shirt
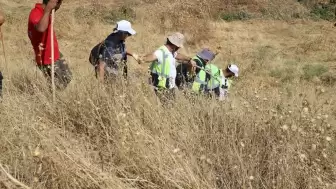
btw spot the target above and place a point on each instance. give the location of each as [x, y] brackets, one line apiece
[39, 33]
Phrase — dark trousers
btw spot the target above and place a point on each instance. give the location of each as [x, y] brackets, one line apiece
[62, 75]
[215, 91]
[155, 80]
[108, 75]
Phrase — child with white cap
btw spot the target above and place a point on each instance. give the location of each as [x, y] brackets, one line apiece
[218, 79]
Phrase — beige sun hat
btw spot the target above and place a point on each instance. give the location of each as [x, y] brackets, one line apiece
[177, 39]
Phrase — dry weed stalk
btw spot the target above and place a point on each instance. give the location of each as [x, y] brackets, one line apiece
[276, 131]
[15, 181]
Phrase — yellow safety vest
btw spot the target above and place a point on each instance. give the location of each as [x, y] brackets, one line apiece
[162, 69]
[216, 76]
[199, 79]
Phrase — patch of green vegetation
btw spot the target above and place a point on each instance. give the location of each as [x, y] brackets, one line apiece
[263, 56]
[103, 13]
[324, 12]
[122, 13]
[276, 73]
[329, 78]
[291, 63]
[264, 51]
[242, 15]
[313, 70]
[289, 91]
[284, 74]
[82, 13]
[297, 15]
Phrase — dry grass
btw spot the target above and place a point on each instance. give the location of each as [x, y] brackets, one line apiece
[276, 130]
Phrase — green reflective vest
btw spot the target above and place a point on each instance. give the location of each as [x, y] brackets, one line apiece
[162, 69]
[227, 83]
[216, 76]
[199, 81]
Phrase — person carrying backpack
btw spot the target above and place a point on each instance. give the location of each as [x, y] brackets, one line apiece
[184, 77]
[110, 56]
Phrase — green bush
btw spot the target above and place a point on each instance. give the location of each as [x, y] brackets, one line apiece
[276, 73]
[313, 70]
[122, 13]
[291, 63]
[100, 12]
[284, 74]
[329, 78]
[325, 13]
[84, 13]
[235, 16]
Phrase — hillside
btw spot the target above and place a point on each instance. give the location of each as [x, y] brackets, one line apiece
[277, 130]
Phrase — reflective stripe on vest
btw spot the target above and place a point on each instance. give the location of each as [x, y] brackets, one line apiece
[216, 76]
[225, 85]
[156, 67]
[162, 70]
[229, 83]
[197, 58]
[200, 78]
[199, 81]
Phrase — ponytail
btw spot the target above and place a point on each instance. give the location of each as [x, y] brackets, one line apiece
[115, 30]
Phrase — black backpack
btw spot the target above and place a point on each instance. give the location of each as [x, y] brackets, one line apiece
[95, 53]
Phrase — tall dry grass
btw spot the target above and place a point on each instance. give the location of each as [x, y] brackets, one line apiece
[276, 131]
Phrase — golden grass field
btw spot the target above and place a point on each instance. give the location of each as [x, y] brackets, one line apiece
[277, 130]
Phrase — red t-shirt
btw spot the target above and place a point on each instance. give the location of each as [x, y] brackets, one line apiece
[41, 41]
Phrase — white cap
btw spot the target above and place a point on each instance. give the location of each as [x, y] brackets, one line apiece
[234, 69]
[126, 26]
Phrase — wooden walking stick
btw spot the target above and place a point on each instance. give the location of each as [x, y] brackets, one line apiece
[53, 56]
[3, 46]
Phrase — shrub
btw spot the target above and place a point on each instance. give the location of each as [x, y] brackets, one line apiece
[324, 12]
[277, 73]
[329, 78]
[82, 13]
[98, 11]
[276, 10]
[313, 70]
[235, 16]
[124, 12]
[285, 74]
